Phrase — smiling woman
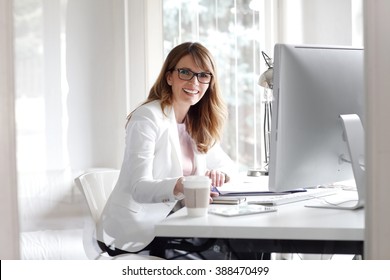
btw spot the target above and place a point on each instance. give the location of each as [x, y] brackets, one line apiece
[173, 134]
[74, 84]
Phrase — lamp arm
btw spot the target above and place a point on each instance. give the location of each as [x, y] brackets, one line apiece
[267, 59]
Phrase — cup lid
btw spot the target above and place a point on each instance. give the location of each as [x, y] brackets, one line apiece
[197, 178]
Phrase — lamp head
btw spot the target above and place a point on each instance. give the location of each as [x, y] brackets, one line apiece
[266, 79]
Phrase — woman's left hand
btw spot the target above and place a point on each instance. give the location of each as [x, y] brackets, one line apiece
[217, 177]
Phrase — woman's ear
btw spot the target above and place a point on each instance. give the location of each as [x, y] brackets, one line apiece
[168, 77]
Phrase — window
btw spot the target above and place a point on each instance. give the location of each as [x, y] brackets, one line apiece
[234, 31]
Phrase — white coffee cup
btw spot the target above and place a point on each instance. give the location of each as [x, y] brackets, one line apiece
[197, 195]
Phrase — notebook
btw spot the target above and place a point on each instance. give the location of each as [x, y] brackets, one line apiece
[228, 199]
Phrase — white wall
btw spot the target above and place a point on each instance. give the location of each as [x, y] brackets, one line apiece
[114, 53]
[9, 230]
[96, 78]
[328, 22]
[377, 45]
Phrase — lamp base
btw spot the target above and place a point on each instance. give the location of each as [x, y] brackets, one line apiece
[257, 172]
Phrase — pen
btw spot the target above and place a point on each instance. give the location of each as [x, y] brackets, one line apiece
[214, 189]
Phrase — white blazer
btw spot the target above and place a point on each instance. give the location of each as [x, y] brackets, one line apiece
[143, 195]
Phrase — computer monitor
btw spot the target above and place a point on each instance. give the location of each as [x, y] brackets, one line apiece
[313, 86]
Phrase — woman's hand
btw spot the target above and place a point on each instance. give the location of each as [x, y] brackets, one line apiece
[218, 178]
[178, 191]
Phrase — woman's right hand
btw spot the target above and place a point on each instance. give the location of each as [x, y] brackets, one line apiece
[179, 187]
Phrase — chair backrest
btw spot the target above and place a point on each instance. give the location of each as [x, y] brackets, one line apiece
[97, 187]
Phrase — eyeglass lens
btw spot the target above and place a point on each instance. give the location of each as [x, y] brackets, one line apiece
[186, 74]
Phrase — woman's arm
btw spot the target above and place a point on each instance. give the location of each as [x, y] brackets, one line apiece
[148, 171]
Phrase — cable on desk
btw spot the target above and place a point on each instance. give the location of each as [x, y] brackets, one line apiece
[338, 204]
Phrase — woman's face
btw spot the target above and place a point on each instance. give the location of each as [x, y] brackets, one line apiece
[187, 92]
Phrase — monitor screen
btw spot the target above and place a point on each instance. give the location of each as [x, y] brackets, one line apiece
[313, 86]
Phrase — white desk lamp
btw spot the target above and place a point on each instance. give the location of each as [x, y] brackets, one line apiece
[266, 81]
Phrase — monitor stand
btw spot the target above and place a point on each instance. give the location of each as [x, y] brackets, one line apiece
[354, 133]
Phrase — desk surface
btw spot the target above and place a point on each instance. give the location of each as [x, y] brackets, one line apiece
[291, 222]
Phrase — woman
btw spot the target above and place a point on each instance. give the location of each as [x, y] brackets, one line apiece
[174, 133]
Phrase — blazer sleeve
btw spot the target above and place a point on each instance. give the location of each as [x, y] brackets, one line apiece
[143, 138]
[218, 159]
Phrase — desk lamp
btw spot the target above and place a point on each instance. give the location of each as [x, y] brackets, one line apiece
[266, 81]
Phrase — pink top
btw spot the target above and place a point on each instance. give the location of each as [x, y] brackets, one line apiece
[186, 150]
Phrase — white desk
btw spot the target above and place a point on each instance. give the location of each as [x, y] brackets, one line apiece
[293, 228]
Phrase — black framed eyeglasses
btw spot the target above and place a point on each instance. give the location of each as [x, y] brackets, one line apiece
[187, 75]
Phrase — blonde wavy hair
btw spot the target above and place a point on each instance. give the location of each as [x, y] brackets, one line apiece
[205, 120]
